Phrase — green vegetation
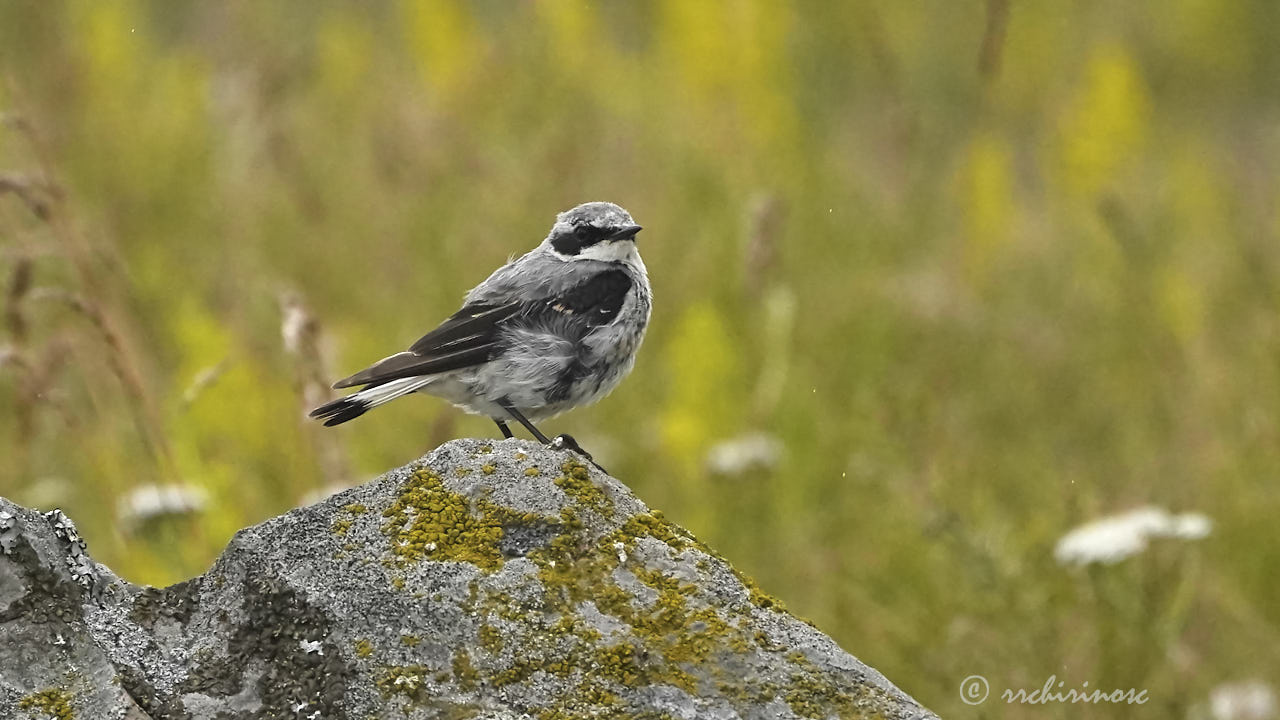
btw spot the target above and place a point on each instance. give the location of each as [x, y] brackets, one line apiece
[985, 276]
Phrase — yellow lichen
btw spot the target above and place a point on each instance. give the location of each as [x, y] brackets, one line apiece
[653, 525]
[426, 520]
[342, 524]
[364, 648]
[813, 695]
[758, 597]
[464, 673]
[490, 638]
[576, 483]
[52, 702]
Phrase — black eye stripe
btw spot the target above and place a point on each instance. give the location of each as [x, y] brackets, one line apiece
[581, 236]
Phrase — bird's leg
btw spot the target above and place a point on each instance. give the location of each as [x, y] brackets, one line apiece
[506, 431]
[562, 442]
[520, 418]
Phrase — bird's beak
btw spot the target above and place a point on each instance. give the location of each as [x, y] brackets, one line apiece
[626, 232]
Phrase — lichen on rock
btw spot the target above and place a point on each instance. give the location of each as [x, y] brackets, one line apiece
[486, 580]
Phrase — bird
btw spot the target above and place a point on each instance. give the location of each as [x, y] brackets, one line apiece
[555, 329]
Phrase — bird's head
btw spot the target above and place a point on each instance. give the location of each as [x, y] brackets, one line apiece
[594, 231]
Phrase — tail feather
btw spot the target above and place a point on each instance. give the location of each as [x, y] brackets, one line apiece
[340, 411]
[353, 406]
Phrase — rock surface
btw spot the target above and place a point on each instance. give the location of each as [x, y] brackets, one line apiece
[488, 580]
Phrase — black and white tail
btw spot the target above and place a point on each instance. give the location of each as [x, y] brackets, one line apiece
[357, 404]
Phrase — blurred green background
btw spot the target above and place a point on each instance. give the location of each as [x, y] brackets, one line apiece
[983, 271]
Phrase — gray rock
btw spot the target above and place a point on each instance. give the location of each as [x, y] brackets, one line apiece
[488, 580]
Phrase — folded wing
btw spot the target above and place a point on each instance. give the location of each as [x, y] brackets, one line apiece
[468, 338]
[473, 335]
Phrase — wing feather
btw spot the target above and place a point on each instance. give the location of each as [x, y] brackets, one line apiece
[473, 335]
[467, 338]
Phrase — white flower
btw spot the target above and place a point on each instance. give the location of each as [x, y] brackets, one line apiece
[150, 501]
[1191, 526]
[743, 453]
[311, 646]
[1251, 700]
[1117, 537]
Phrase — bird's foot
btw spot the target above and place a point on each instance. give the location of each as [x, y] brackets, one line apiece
[567, 442]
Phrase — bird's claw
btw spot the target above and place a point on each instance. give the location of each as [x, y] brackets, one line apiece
[567, 442]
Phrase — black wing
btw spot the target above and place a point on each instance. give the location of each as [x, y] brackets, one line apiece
[473, 335]
[588, 305]
[467, 338]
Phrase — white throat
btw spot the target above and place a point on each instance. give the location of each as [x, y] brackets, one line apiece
[608, 251]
